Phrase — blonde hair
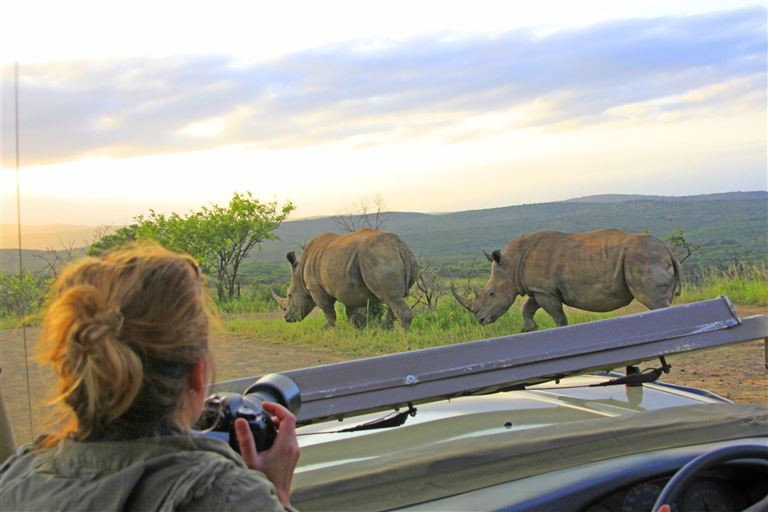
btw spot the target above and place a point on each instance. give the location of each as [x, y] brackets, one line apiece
[122, 333]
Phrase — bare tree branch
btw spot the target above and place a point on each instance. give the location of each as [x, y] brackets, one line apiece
[428, 287]
[363, 214]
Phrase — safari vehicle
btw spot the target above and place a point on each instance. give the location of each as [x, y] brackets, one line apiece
[534, 422]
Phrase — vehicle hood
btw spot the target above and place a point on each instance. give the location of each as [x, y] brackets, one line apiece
[468, 443]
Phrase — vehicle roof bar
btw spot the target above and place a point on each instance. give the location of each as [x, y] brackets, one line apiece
[398, 380]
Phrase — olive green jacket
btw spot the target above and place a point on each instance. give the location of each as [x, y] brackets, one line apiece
[151, 474]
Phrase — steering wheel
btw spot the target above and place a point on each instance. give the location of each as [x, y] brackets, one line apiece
[687, 473]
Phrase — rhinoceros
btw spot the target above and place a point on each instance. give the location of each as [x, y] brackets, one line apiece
[358, 269]
[596, 271]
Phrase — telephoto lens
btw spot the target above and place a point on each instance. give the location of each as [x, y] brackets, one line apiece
[222, 409]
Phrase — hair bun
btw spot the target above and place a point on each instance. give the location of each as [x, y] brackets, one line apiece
[104, 324]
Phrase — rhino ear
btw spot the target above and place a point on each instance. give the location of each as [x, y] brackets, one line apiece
[494, 256]
[291, 257]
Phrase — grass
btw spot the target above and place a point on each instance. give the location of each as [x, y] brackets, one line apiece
[249, 303]
[446, 325]
[10, 321]
[746, 285]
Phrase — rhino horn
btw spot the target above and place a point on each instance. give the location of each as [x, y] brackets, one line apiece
[461, 300]
[283, 303]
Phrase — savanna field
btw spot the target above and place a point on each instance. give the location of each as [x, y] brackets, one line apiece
[252, 339]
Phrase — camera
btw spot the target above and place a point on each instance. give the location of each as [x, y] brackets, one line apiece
[222, 409]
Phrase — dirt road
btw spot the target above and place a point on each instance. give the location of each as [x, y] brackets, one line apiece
[736, 372]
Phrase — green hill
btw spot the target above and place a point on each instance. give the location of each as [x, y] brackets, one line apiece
[722, 224]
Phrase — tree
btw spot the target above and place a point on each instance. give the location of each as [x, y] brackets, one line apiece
[680, 243]
[363, 214]
[228, 235]
[219, 238]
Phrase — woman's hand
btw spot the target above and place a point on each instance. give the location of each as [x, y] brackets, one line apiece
[279, 462]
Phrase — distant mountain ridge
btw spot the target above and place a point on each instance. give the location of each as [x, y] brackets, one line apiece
[725, 196]
[735, 221]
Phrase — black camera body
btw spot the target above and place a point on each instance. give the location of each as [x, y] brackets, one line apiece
[222, 409]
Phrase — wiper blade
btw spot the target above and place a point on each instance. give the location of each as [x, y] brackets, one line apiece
[637, 378]
[391, 420]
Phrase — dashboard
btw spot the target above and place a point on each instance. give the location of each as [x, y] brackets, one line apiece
[727, 488]
[623, 484]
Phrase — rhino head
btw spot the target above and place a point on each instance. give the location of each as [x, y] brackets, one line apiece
[299, 303]
[498, 294]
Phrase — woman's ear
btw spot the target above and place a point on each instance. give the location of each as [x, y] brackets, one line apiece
[193, 400]
[199, 374]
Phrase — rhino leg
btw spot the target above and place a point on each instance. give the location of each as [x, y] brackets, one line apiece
[530, 308]
[326, 303]
[329, 310]
[554, 307]
[356, 317]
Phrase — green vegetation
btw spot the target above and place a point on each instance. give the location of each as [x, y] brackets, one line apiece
[250, 300]
[743, 284]
[10, 322]
[219, 238]
[22, 293]
[447, 324]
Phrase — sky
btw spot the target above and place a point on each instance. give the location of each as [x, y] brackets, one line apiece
[429, 106]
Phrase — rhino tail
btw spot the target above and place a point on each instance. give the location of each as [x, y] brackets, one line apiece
[678, 274]
[410, 270]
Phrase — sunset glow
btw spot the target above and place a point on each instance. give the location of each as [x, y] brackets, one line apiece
[444, 109]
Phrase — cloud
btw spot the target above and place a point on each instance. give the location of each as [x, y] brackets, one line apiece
[376, 93]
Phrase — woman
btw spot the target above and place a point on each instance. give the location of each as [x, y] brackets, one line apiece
[127, 336]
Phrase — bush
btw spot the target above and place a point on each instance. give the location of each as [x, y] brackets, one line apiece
[23, 294]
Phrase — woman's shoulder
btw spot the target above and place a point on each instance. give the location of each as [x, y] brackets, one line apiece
[244, 489]
[221, 480]
[26, 459]
[178, 473]
[209, 475]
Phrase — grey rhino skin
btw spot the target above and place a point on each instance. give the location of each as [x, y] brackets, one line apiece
[596, 271]
[358, 269]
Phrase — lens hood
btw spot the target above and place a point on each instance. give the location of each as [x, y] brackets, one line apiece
[278, 388]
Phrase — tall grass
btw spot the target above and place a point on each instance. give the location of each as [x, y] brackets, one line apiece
[252, 300]
[447, 324]
[743, 284]
[10, 322]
